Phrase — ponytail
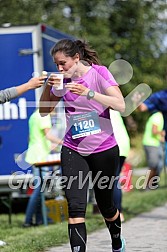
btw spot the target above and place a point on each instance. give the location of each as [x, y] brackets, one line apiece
[86, 53]
[70, 48]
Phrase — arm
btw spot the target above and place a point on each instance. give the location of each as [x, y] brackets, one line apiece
[13, 92]
[155, 130]
[8, 94]
[112, 99]
[142, 107]
[160, 133]
[150, 104]
[51, 137]
[48, 101]
[33, 83]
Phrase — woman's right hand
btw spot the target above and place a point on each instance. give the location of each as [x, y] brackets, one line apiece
[54, 80]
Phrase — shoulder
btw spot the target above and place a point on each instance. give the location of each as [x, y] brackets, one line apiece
[104, 74]
[99, 68]
[156, 117]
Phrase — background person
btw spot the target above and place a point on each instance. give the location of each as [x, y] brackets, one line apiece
[39, 147]
[156, 102]
[89, 143]
[123, 142]
[13, 92]
[152, 139]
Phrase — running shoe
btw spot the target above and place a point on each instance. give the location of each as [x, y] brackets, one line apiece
[122, 249]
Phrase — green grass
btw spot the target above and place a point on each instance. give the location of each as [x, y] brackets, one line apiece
[138, 201]
[39, 238]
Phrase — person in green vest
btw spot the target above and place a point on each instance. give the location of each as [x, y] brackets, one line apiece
[41, 141]
[123, 141]
[153, 136]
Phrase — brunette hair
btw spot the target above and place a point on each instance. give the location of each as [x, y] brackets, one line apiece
[70, 48]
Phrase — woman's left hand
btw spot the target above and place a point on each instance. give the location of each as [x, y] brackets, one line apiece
[78, 89]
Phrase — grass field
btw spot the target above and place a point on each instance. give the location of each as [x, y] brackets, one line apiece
[39, 238]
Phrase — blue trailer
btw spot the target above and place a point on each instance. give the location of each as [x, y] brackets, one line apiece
[24, 50]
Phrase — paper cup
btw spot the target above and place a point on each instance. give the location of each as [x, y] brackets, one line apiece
[60, 78]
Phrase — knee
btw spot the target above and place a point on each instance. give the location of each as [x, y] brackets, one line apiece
[109, 213]
[114, 217]
[76, 210]
[76, 220]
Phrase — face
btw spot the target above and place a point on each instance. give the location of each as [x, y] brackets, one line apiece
[66, 64]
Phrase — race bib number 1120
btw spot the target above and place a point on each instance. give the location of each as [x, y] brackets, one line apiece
[85, 124]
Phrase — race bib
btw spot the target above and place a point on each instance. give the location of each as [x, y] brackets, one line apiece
[85, 124]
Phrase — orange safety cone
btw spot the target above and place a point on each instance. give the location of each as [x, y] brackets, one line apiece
[126, 178]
